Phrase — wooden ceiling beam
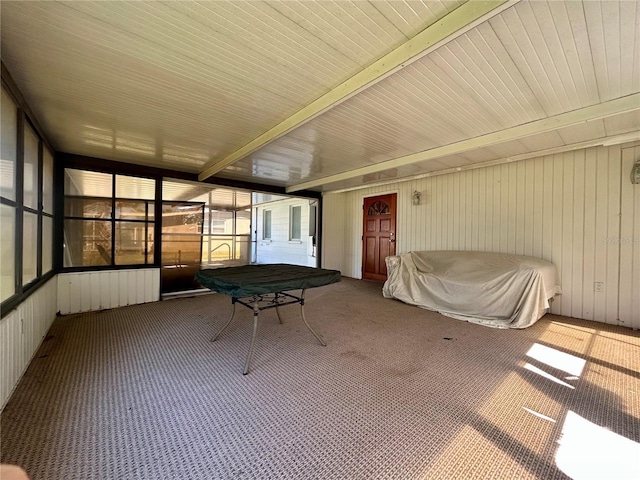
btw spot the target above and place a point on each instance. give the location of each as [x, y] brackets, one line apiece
[583, 115]
[456, 23]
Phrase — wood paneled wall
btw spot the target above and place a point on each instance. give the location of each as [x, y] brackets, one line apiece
[22, 332]
[577, 209]
[90, 291]
[629, 241]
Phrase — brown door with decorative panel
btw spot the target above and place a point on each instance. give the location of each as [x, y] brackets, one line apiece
[378, 235]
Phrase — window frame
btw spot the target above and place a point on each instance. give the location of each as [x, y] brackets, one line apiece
[292, 215]
[114, 220]
[266, 232]
[62, 160]
[24, 120]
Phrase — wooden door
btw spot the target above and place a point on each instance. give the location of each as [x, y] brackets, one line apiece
[379, 235]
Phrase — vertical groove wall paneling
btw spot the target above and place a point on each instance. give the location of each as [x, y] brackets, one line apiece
[91, 291]
[566, 233]
[589, 234]
[577, 264]
[564, 208]
[613, 231]
[21, 333]
[629, 243]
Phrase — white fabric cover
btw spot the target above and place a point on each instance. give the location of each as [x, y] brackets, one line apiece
[493, 289]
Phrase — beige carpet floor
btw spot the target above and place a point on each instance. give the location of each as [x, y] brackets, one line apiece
[398, 393]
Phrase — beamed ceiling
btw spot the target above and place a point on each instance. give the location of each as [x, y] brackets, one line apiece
[326, 95]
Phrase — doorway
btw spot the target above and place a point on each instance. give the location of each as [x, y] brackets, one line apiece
[181, 245]
[378, 235]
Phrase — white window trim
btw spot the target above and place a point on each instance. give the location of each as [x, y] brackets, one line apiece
[264, 225]
[291, 237]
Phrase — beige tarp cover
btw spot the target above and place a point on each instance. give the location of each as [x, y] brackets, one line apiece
[493, 289]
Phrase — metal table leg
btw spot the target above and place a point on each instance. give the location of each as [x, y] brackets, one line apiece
[215, 337]
[304, 319]
[254, 304]
[278, 309]
[256, 310]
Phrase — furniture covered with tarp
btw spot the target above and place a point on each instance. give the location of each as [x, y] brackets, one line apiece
[493, 289]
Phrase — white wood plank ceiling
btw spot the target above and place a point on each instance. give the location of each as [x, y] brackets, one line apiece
[236, 89]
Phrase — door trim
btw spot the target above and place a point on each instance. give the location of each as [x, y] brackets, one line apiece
[364, 197]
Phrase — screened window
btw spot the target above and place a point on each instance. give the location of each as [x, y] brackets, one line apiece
[47, 246]
[9, 147]
[47, 185]
[31, 143]
[108, 219]
[266, 225]
[8, 160]
[47, 210]
[8, 247]
[29, 247]
[295, 223]
[26, 204]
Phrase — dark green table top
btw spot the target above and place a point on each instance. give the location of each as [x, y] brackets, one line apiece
[249, 280]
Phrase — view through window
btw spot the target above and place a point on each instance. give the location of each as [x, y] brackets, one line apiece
[108, 219]
[203, 226]
[26, 204]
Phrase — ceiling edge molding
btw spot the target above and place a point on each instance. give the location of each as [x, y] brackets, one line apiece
[583, 115]
[599, 142]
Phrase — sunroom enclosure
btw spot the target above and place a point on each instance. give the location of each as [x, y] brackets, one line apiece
[110, 222]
